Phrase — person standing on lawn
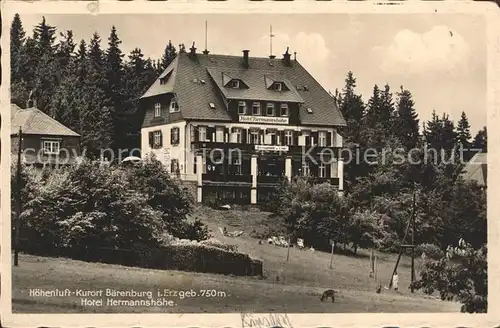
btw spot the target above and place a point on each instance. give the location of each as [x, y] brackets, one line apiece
[395, 281]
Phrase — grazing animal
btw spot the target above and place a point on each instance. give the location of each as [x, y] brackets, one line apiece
[329, 293]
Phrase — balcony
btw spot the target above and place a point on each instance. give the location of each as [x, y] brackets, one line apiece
[318, 180]
[248, 148]
[226, 180]
[269, 179]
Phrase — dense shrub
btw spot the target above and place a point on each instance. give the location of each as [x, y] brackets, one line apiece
[104, 206]
[431, 251]
[167, 195]
[218, 244]
[90, 205]
[204, 258]
[462, 275]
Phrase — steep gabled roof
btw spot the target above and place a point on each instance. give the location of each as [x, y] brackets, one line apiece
[257, 86]
[34, 121]
[477, 169]
[158, 88]
[194, 97]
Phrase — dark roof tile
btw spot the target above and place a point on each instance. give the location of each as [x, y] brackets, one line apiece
[34, 121]
[194, 97]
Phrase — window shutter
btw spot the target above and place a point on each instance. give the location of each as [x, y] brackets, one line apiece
[192, 133]
[226, 135]
[151, 139]
[295, 137]
[211, 134]
[244, 134]
[314, 138]
[161, 139]
[329, 139]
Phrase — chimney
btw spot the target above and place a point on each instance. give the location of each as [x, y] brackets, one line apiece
[295, 56]
[245, 58]
[286, 58]
[272, 56]
[206, 52]
[192, 51]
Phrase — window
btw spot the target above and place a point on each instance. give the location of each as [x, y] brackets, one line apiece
[288, 138]
[305, 169]
[157, 110]
[174, 166]
[174, 107]
[254, 137]
[174, 136]
[277, 86]
[256, 108]
[284, 110]
[242, 107]
[219, 134]
[235, 84]
[202, 132]
[309, 110]
[212, 105]
[157, 139]
[51, 147]
[237, 133]
[322, 139]
[322, 170]
[307, 138]
[235, 166]
[270, 109]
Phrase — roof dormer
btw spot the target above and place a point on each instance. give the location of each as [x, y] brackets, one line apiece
[235, 84]
[278, 86]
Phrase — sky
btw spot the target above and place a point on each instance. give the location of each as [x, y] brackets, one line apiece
[440, 58]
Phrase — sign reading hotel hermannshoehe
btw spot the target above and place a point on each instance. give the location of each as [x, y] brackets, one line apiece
[263, 119]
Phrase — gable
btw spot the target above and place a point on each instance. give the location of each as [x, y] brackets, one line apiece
[194, 98]
[34, 121]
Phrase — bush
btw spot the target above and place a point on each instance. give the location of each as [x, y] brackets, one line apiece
[462, 275]
[218, 244]
[204, 258]
[168, 196]
[431, 251]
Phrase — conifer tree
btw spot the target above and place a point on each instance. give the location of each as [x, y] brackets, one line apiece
[463, 131]
[352, 108]
[406, 123]
[481, 140]
[17, 39]
[168, 56]
[115, 74]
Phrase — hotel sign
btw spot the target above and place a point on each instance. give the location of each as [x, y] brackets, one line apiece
[270, 148]
[263, 119]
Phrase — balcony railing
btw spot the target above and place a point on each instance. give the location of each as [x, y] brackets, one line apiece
[318, 180]
[251, 148]
[269, 179]
[217, 177]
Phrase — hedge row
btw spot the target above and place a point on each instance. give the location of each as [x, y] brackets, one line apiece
[192, 257]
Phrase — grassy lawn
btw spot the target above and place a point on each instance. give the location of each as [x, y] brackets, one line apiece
[300, 282]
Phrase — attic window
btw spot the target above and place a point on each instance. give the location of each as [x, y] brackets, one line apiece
[174, 106]
[309, 110]
[164, 77]
[195, 80]
[278, 86]
[305, 88]
[202, 81]
[235, 84]
[212, 105]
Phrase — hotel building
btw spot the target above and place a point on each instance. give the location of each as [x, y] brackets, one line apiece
[236, 125]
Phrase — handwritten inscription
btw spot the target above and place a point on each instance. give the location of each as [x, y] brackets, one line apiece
[265, 320]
